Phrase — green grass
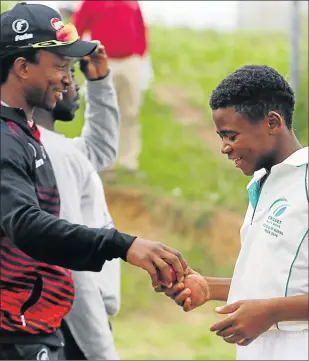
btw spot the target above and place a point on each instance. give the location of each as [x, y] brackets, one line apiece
[170, 335]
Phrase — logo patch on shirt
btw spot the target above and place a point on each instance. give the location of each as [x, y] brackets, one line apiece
[272, 225]
[38, 162]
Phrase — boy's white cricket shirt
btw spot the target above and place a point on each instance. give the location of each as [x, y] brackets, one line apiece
[273, 260]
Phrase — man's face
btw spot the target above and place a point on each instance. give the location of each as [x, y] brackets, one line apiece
[250, 145]
[65, 110]
[47, 81]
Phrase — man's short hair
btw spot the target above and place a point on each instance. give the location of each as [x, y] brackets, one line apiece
[7, 62]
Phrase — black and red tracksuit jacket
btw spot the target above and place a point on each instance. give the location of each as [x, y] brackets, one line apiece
[37, 249]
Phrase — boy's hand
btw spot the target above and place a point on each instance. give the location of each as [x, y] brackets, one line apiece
[95, 66]
[246, 321]
[191, 293]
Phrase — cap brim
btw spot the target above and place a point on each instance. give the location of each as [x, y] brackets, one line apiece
[76, 50]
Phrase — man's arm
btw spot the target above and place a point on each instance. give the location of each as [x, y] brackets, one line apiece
[55, 241]
[100, 134]
[88, 319]
[40, 234]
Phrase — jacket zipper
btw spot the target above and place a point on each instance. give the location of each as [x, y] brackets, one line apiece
[33, 298]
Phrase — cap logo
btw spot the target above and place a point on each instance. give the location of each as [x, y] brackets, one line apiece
[20, 26]
[56, 23]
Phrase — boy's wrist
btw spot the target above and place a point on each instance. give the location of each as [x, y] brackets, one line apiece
[273, 310]
[218, 288]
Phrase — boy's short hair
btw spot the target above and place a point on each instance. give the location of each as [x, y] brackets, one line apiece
[254, 91]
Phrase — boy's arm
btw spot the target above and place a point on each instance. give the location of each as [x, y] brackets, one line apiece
[247, 319]
[197, 290]
[291, 308]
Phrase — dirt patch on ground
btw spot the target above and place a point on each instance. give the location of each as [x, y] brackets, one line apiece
[132, 214]
[186, 114]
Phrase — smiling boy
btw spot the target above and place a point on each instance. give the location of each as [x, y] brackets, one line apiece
[267, 298]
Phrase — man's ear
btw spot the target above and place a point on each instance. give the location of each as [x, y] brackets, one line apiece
[275, 122]
[21, 68]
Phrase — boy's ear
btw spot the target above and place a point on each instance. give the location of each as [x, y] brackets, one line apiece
[275, 122]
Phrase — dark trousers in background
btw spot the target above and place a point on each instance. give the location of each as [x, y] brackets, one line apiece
[71, 349]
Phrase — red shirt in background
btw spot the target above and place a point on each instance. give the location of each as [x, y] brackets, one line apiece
[119, 25]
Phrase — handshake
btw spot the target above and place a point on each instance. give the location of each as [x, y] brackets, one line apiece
[170, 273]
[193, 292]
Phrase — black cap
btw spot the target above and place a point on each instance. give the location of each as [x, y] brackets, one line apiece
[28, 24]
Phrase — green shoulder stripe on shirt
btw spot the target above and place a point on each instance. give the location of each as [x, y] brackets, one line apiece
[306, 183]
[290, 273]
[291, 267]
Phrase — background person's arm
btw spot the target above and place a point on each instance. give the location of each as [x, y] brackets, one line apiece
[100, 134]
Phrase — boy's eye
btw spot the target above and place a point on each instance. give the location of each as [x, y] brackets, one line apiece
[232, 138]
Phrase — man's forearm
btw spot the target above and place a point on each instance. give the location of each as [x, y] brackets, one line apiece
[292, 308]
[219, 288]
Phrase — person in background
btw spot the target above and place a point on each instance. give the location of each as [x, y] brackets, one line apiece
[86, 328]
[267, 311]
[67, 8]
[120, 27]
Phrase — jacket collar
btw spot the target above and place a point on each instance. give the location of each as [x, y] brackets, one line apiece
[18, 116]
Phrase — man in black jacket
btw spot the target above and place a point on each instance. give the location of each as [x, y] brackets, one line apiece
[38, 248]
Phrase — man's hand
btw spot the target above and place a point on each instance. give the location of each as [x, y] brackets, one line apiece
[246, 321]
[95, 66]
[156, 258]
[191, 293]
